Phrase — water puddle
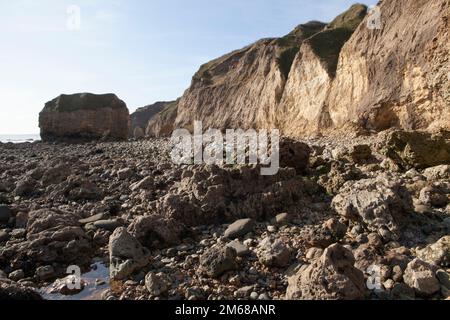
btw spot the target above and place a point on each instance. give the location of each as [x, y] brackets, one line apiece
[96, 282]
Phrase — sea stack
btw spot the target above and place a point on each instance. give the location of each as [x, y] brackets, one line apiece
[84, 116]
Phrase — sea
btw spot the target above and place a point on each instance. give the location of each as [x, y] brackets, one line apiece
[19, 138]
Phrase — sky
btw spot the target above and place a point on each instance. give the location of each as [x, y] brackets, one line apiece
[142, 50]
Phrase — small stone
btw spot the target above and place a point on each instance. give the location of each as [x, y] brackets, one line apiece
[282, 219]
[389, 284]
[239, 228]
[254, 296]
[21, 220]
[124, 174]
[437, 253]
[263, 297]
[397, 274]
[272, 229]
[240, 248]
[157, 284]
[145, 184]
[243, 292]
[17, 275]
[109, 225]
[93, 218]
[273, 253]
[45, 273]
[314, 253]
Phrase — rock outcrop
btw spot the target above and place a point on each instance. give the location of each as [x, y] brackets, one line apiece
[141, 117]
[163, 123]
[84, 116]
[330, 277]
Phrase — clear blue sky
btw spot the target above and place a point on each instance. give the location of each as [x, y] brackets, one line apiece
[142, 50]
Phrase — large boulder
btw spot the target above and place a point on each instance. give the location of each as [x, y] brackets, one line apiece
[437, 253]
[127, 255]
[421, 276]
[333, 276]
[84, 116]
[379, 203]
[415, 149]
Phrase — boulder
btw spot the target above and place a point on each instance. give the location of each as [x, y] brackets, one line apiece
[294, 154]
[273, 253]
[421, 276]
[437, 253]
[218, 260]
[333, 276]
[12, 291]
[415, 149]
[157, 284]
[239, 228]
[84, 116]
[380, 203]
[126, 253]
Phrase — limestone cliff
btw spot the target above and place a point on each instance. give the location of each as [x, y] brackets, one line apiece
[162, 124]
[398, 75]
[323, 79]
[242, 89]
[84, 116]
[141, 117]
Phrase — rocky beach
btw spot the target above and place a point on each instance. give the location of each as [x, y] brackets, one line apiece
[358, 210]
[164, 231]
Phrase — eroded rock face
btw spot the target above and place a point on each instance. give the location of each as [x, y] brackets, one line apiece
[380, 203]
[437, 253]
[52, 236]
[420, 150]
[205, 195]
[12, 291]
[341, 77]
[141, 117]
[84, 116]
[332, 276]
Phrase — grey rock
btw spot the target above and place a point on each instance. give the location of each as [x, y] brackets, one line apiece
[420, 276]
[109, 225]
[241, 249]
[433, 196]
[157, 284]
[17, 275]
[437, 253]
[239, 228]
[282, 219]
[127, 255]
[273, 253]
[45, 273]
[145, 184]
[402, 291]
[218, 260]
[94, 218]
[332, 276]
[21, 220]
